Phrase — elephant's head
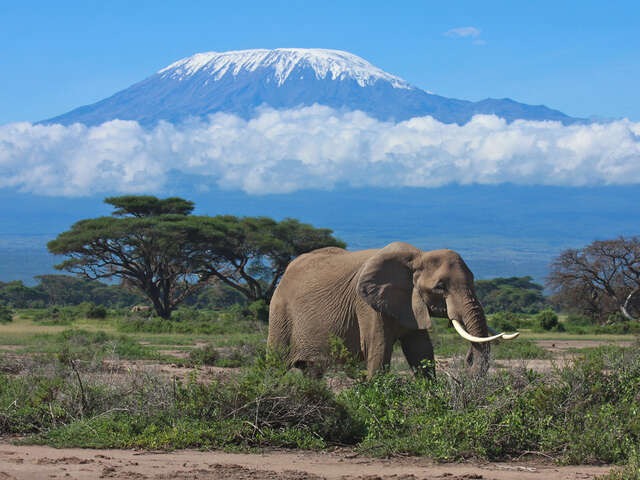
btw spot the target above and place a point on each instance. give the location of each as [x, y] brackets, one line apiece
[411, 285]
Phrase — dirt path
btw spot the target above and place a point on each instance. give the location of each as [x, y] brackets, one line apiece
[36, 462]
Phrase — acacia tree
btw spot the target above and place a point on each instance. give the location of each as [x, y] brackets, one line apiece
[251, 254]
[144, 243]
[599, 279]
[161, 250]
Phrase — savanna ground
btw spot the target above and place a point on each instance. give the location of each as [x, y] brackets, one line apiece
[130, 397]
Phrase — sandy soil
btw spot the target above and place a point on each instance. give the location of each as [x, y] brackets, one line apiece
[35, 462]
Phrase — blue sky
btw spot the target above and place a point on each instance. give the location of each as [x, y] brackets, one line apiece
[579, 57]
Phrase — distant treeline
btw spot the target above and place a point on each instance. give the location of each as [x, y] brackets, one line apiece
[63, 290]
[515, 294]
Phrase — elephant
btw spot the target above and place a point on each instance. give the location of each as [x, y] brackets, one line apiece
[370, 299]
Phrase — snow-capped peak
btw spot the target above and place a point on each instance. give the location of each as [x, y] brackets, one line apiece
[337, 64]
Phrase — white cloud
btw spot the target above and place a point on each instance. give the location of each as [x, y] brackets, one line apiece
[472, 32]
[314, 147]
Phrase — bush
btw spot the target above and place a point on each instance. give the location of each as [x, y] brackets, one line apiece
[97, 312]
[585, 412]
[260, 311]
[505, 321]
[206, 355]
[56, 316]
[547, 319]
[265, 406]
[190, 320]
[6, 314]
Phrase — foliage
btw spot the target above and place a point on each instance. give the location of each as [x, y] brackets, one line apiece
[146, 243]
[263, 407]
[260, 310]
[97, 312]
[506, 321]
[230, 355]
[188, 320]
[17, 295]
[6, 314]
[250, 254]
[548, 319]
[585, 412]
[342, 360]
[163, 252]
[597, 280]
[205, 355]
[631, 470]
[514, 294]
[66, 290]
[215, 295]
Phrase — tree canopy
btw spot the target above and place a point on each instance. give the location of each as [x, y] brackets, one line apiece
[600, 279]
[513, 294]
[162, 251]
[251, 254]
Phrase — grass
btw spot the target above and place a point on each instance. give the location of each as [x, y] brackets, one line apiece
[586, 412]
[62, 394]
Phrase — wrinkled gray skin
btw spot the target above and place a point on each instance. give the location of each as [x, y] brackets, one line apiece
[370, 299]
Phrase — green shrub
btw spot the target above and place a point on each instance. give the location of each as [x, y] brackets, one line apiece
[585, 412]
[505, 321]
[547, 319]
[6, 314]
[265, 406]
[97, 312]
[56, 316]
[260, 311]
[205, 355]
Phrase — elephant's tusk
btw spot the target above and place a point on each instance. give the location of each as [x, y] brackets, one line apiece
[505, 336]
[463, 333]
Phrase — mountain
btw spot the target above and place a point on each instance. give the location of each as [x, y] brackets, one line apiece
[238, 82]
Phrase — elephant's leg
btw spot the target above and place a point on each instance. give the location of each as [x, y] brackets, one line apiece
[279, 338]
[379, 360]
[417, 347]
[378, 345]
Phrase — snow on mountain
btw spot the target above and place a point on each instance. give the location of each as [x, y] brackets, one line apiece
[283, 61]
[239, 82]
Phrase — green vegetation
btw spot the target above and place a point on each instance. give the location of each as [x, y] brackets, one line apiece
[548, 320]
[583, 413]
[6, 314]
[66, 290]
[600, 281]
[578, 414]
[161, 251]
[84, 370]
[514, 294]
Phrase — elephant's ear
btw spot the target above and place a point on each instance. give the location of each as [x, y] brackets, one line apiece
[386, 284]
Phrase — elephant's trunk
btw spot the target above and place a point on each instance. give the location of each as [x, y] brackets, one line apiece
[475, 323]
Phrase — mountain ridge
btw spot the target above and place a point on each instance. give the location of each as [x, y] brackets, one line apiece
[241, 81]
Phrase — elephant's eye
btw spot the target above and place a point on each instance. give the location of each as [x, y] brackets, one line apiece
[439, 288]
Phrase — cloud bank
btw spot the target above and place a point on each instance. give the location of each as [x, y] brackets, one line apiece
[314, 147]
